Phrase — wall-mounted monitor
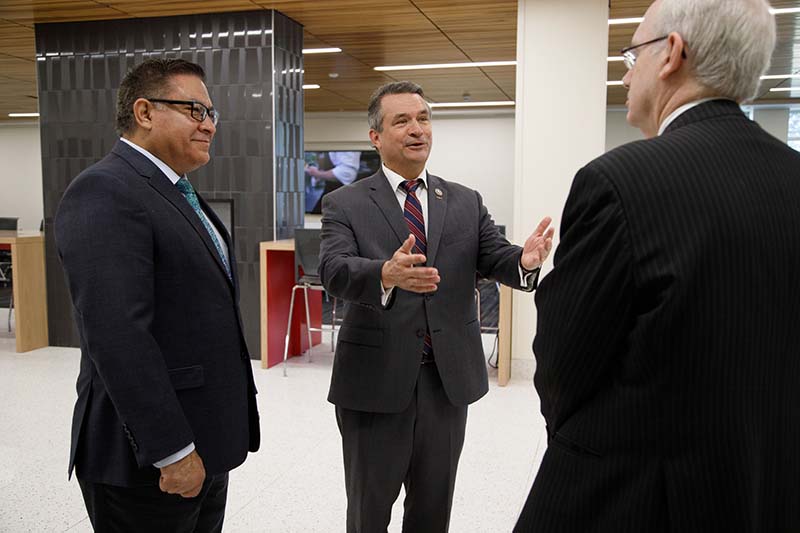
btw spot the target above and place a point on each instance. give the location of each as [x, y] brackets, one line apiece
[328, 170]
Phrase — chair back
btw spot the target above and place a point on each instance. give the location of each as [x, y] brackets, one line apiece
[8, 223]
[306, 254]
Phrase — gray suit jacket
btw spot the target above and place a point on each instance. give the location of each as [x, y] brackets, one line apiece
[379, 349]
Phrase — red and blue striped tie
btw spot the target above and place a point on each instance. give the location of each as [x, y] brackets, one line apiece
[412, 212]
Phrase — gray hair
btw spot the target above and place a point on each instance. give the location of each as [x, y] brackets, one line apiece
[375, 110]
[729, 42]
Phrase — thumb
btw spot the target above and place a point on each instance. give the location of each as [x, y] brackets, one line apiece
[408, 244]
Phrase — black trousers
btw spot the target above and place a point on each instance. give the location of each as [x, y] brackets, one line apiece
[147, 509]
[418, 448]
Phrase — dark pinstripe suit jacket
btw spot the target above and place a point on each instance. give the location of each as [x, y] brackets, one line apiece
[379, 349]
[668, 342]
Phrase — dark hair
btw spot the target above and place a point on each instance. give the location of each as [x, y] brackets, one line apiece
[375, 112]
[149, 79]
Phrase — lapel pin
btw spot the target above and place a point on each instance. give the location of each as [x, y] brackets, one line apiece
[438, 192]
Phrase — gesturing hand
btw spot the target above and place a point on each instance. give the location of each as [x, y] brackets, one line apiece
[184, 477]
[538, 246]
[399, 271]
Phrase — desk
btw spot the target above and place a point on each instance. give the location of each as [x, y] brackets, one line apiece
[277, 280]
[30, 288]
[504, 336]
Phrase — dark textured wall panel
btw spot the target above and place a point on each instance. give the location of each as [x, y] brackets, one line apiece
[289, 177]
[257, 154]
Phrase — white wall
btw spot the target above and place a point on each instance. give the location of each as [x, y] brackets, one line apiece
[774, 120]
[618, 131]
[21, 174]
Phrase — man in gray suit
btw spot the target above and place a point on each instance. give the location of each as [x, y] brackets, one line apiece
[403, 248]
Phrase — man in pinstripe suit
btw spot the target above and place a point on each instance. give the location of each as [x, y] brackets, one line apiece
[668, 341]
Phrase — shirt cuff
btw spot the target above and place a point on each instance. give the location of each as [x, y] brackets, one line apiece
[525, 277]
[385, 295]
[175, 457]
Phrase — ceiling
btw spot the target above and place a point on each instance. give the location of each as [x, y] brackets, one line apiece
[370, 33]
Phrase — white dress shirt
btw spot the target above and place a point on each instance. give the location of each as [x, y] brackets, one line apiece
[345, 166]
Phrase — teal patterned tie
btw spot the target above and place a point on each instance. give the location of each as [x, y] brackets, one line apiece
[188, 191]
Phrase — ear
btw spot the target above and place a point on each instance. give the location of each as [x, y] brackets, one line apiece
[676, 57]
[142, 113]
[375, 139]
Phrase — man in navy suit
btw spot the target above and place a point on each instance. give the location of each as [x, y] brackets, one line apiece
[166, 399]
[667, 344]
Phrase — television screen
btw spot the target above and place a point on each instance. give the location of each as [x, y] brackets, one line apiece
[326, 171]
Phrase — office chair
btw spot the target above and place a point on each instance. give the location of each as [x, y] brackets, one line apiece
[306, 260]
[7, 224]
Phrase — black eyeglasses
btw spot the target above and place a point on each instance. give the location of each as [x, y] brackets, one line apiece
[629, 58]
[199, 111]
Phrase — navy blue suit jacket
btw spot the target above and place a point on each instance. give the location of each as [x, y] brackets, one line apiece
[163, 358]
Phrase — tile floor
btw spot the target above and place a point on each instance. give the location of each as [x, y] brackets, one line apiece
[294, 484]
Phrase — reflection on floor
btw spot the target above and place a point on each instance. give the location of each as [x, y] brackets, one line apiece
[294, 484]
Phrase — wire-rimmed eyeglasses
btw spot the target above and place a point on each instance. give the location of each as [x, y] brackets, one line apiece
[628, 55]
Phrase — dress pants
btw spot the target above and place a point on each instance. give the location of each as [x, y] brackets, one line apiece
[147, 509]
[418, 447]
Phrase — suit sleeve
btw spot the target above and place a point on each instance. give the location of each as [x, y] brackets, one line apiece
[344, 273]
[105, 240]
[585, 304]
[498, 259]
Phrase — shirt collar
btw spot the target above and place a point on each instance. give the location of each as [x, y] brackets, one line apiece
[683, 109]
[163, 167]
[396, 179]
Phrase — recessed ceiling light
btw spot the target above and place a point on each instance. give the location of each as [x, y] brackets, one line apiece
[333, 75]
[471, 104]
[311, 86]
[615, 58]
[22, 115]
[780, 76]
[447, 65]
[638, 20]
[784, 11]
[632, 20]
[784, 89]
[614, 83]
[321, 50]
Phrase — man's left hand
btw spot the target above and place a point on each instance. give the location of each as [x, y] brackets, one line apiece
[538, 246]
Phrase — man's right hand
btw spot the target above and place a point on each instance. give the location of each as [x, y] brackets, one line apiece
[184, 477]
[399, 271]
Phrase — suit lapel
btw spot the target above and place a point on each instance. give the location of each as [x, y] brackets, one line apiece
[385, 198]
[437, 210]
[170, 192]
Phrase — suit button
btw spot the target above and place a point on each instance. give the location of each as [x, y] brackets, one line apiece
[420, 333]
